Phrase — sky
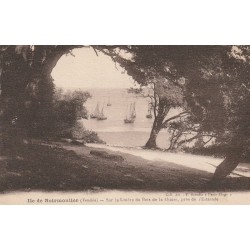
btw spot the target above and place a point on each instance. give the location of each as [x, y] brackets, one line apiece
[87, 70]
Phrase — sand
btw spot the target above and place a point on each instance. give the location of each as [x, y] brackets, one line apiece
[203, 163]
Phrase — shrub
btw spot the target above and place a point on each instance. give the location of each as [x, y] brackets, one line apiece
[90, 136]
[78, 132]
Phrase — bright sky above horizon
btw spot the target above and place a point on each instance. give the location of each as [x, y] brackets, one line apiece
[87, 70]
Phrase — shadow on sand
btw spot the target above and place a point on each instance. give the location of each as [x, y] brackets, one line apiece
[37, 167]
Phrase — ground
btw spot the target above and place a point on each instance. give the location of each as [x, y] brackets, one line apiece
[64, 167]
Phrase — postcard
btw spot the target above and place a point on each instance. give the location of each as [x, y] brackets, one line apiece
[124, 124]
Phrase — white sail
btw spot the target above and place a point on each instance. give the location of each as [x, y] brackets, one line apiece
[97, 110]
[101, 115]
[133, 111]
[131, 117]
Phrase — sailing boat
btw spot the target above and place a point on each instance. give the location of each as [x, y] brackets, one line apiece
[149, 114]
[101, 115]
[96, 112]
[133, 110]
[131, 117]
[109, 103]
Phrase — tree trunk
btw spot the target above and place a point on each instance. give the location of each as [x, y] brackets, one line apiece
[157, 126]
[151, 143]
[19, 99]
[229, 164]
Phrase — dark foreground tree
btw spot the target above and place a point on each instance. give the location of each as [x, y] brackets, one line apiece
[26, 88]
[219, 95]
[217, 89]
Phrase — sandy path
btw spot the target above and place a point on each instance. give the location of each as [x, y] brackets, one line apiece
[204, 163]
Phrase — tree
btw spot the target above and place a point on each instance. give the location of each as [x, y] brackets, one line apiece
[219, 96]
[151, 68]
[26, 79]
[26, 86]
[217, 88]
[165, 96]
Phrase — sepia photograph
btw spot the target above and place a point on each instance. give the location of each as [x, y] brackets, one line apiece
[125, 124]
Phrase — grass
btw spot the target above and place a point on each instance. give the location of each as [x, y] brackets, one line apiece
[65, 167]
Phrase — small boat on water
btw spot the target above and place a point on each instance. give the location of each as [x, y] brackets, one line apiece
[101, 115]
[96, 112]
[109, 103]
[129, 120]
[133, 110]
[131, 117]
[149, 114]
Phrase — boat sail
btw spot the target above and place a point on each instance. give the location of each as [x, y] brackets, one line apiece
[109, 103]
[133, 110]
[101, 115]
[131, 117]
[149, 114]
[96, 112]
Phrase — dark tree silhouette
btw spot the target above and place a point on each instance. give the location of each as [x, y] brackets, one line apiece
[26, 87]
[219, 94]
[217, 89]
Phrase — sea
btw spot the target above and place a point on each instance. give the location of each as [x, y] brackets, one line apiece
[113, 130]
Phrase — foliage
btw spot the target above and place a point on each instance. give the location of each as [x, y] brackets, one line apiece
[26, 84]
[219, 94]
[150, 67]
[67, 109]
[78, 132]
[29, 102]
[90, 136]
[217, 82]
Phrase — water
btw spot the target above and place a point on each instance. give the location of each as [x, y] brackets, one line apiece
[113, 130]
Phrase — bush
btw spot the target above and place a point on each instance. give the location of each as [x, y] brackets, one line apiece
[69, 107]
[78, 132]
[92, 137]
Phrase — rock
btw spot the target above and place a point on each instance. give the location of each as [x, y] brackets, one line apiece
[106, 155]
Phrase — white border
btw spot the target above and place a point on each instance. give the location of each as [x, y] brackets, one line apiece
[124, 227]
[124, 22]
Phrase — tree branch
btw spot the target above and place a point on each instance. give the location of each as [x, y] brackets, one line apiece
[95, 51]
[164, 125]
